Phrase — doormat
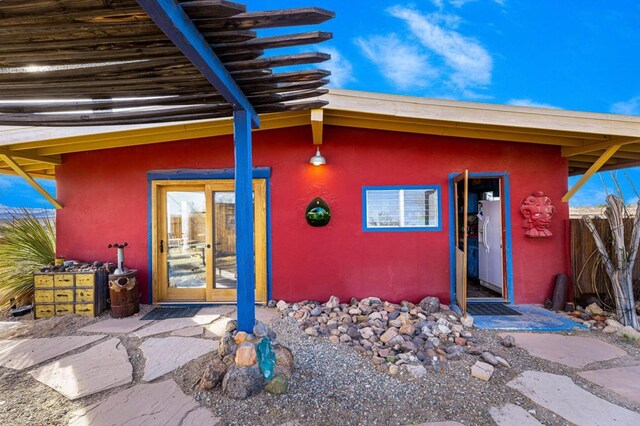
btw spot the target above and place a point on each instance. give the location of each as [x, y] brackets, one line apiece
[490, 309]
[166, 313]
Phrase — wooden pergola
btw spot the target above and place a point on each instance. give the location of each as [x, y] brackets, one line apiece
[118, 62]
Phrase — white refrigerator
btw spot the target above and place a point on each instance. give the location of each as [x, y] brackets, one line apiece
[490, 244]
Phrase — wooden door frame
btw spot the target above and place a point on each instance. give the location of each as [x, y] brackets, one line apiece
[157, 210]
[461, 178]
[505, 186]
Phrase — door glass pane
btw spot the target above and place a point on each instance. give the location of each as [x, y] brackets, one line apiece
[224, 217]
[187, 239]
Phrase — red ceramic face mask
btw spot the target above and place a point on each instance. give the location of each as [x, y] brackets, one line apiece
[537, 211]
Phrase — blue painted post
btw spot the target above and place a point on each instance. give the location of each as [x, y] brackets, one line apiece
[244, 221]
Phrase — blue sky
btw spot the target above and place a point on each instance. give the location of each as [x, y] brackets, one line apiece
[577, 55]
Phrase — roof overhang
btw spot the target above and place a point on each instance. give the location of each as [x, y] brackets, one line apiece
[586, 139]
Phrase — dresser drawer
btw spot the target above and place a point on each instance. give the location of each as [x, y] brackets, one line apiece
[45, 311]
[63, 280]
[84, 295]
[64, 309]
[43, 281]
[43, 296]
[85, 280]
[63, 296]
[84, 309]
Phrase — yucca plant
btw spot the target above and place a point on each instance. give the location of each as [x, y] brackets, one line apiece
[27, 243]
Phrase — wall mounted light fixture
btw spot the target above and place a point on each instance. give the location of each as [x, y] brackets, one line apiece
[318, 159]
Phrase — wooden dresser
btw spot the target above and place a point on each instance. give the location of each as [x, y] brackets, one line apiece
[67, 293]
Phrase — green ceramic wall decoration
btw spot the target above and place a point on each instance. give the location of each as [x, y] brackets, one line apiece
[318, 212]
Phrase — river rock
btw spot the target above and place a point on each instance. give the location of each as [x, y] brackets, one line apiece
[508, 341]
[213, 374]
[467, 321]
[430, 305]
[489, 358]
[242, 382]
[345, 338]
[333, 302]
[240, 337]
[613, 323]
[388, 335]
[407, 329]
[503, 362]
[282, 305]
[366, 332]
[416, 371]
[277, 386]
[260, 330]
[246, 355]
[629, 332]
[231, 326]
[482, 370]
[454, 352]
[407, 346]
[227, 345]
[593, 309]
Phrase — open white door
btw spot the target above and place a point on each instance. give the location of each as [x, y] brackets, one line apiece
[461, 204]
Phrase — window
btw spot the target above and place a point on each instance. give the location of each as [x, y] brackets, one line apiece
[406, 208]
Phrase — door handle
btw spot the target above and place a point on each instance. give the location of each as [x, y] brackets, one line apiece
[485, 242]
[208, 245]
[161, 246]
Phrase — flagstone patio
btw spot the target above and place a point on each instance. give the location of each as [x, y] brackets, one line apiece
[624, 381]
[101, 368]
[562, 396]
[511, 414]
[22, 354]
[161, 403]
[573, 351]
[164, 355]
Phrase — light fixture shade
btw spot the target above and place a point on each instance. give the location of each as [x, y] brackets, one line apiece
[318, 159]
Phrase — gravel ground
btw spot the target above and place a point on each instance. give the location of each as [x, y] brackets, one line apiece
[331, 385]
[335, 385]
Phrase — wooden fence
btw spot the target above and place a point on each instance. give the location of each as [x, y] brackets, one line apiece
[589, 275]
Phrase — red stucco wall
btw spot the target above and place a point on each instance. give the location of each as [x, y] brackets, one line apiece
[105, 194]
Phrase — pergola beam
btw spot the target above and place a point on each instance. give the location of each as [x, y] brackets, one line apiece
[317, 116]
[579, 150]
[591, 171]
[169, 16]
[26, 176]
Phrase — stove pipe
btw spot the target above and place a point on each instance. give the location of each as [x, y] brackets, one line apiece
[121, 269]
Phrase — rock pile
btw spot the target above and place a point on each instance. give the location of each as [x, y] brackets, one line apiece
[596, 318]
[248, 363]
[75, 266]
[398, 337]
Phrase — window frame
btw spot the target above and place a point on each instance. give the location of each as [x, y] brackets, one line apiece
[365, 226]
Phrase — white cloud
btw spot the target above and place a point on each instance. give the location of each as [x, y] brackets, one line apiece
[459, 3]
[401, 63]
[468, 63]
[340, 67]
[630, 107]
[530, 103]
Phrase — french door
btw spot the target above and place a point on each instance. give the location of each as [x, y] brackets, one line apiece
[194, 240]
